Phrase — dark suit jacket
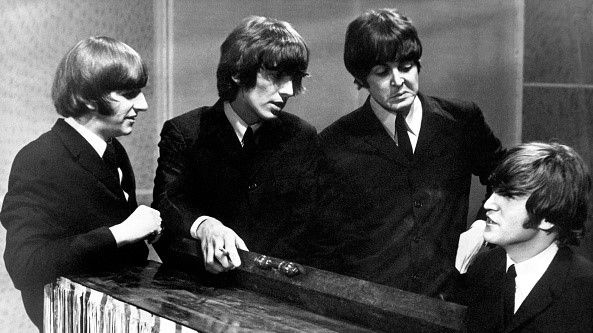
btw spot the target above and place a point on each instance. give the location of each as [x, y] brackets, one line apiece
[268, 201]
[561, 301]
[60, 203]
[409, 213]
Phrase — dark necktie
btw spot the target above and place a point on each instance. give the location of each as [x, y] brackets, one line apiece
[403, 140]
[249, 142]
[509, 295]
[110, 159]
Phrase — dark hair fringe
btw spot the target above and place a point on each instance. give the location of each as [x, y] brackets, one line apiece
[558, 184]
[378, 37]
[92, 69]
[260, 43]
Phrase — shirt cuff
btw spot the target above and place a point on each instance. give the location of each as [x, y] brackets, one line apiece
[193, 231]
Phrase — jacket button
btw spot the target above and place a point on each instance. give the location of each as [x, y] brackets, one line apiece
[252, 187]
[417, 204]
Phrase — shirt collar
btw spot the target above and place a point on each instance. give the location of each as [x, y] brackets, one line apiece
[238, 124]
[535, 266]
[413, 118]
[93, 139]
[530, 271]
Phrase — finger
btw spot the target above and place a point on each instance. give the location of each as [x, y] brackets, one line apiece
[209, 256]
[223, 259]
[221, 253]
[204, 246]
[240, 244]
[231, 239]
[234, 256]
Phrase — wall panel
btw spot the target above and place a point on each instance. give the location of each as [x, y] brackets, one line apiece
[558, 79]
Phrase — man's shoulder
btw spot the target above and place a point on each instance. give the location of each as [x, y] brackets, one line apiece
[41, 157]
[44, 145]
[343, 126]
[447, 103]
[457, 109]
[295, 125]
[488, 260]
[189, 123]
[190, 117]
[581, 267]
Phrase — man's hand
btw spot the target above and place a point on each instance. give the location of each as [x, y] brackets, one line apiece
[144, 222]
[219, 246]
[470, 243]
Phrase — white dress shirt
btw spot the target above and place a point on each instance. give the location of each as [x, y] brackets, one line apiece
[530, 271]
[413, 120]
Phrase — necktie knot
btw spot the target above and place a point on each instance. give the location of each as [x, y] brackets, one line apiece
[511, 273]
[403, 140]
[249, 141]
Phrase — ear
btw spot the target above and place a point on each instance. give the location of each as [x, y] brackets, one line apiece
[545, 226]
[236, 79]
[91, 105]
[359, 84]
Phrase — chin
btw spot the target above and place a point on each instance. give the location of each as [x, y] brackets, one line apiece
[126, 131]
[490, 238]
[268, 115]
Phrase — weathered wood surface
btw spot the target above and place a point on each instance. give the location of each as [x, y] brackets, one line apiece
[371, 305]
[208, 306]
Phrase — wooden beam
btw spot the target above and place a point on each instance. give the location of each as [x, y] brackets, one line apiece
[372, 305]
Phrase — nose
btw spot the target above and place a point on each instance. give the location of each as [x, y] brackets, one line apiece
[396, 77]
[286, 89]
[140, 103]
[490, 204]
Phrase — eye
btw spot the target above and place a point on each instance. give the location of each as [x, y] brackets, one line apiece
[129, 94]
[380, 70]
[272, 74]
[406, 66]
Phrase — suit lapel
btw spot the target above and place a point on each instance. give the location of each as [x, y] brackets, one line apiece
[434, 123]
[374, 135]
[268, 138]
[86, 156]
[217, 131]
[545, 290]
[492, 314]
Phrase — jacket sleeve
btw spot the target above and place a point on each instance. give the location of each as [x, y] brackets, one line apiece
[485, 148]
[172, 175]
[40, 245]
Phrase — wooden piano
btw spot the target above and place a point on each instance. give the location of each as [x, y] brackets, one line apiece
[264, 294]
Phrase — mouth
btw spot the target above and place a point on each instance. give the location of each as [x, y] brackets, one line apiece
[278, 106]
[400, 95]
[490, 222]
